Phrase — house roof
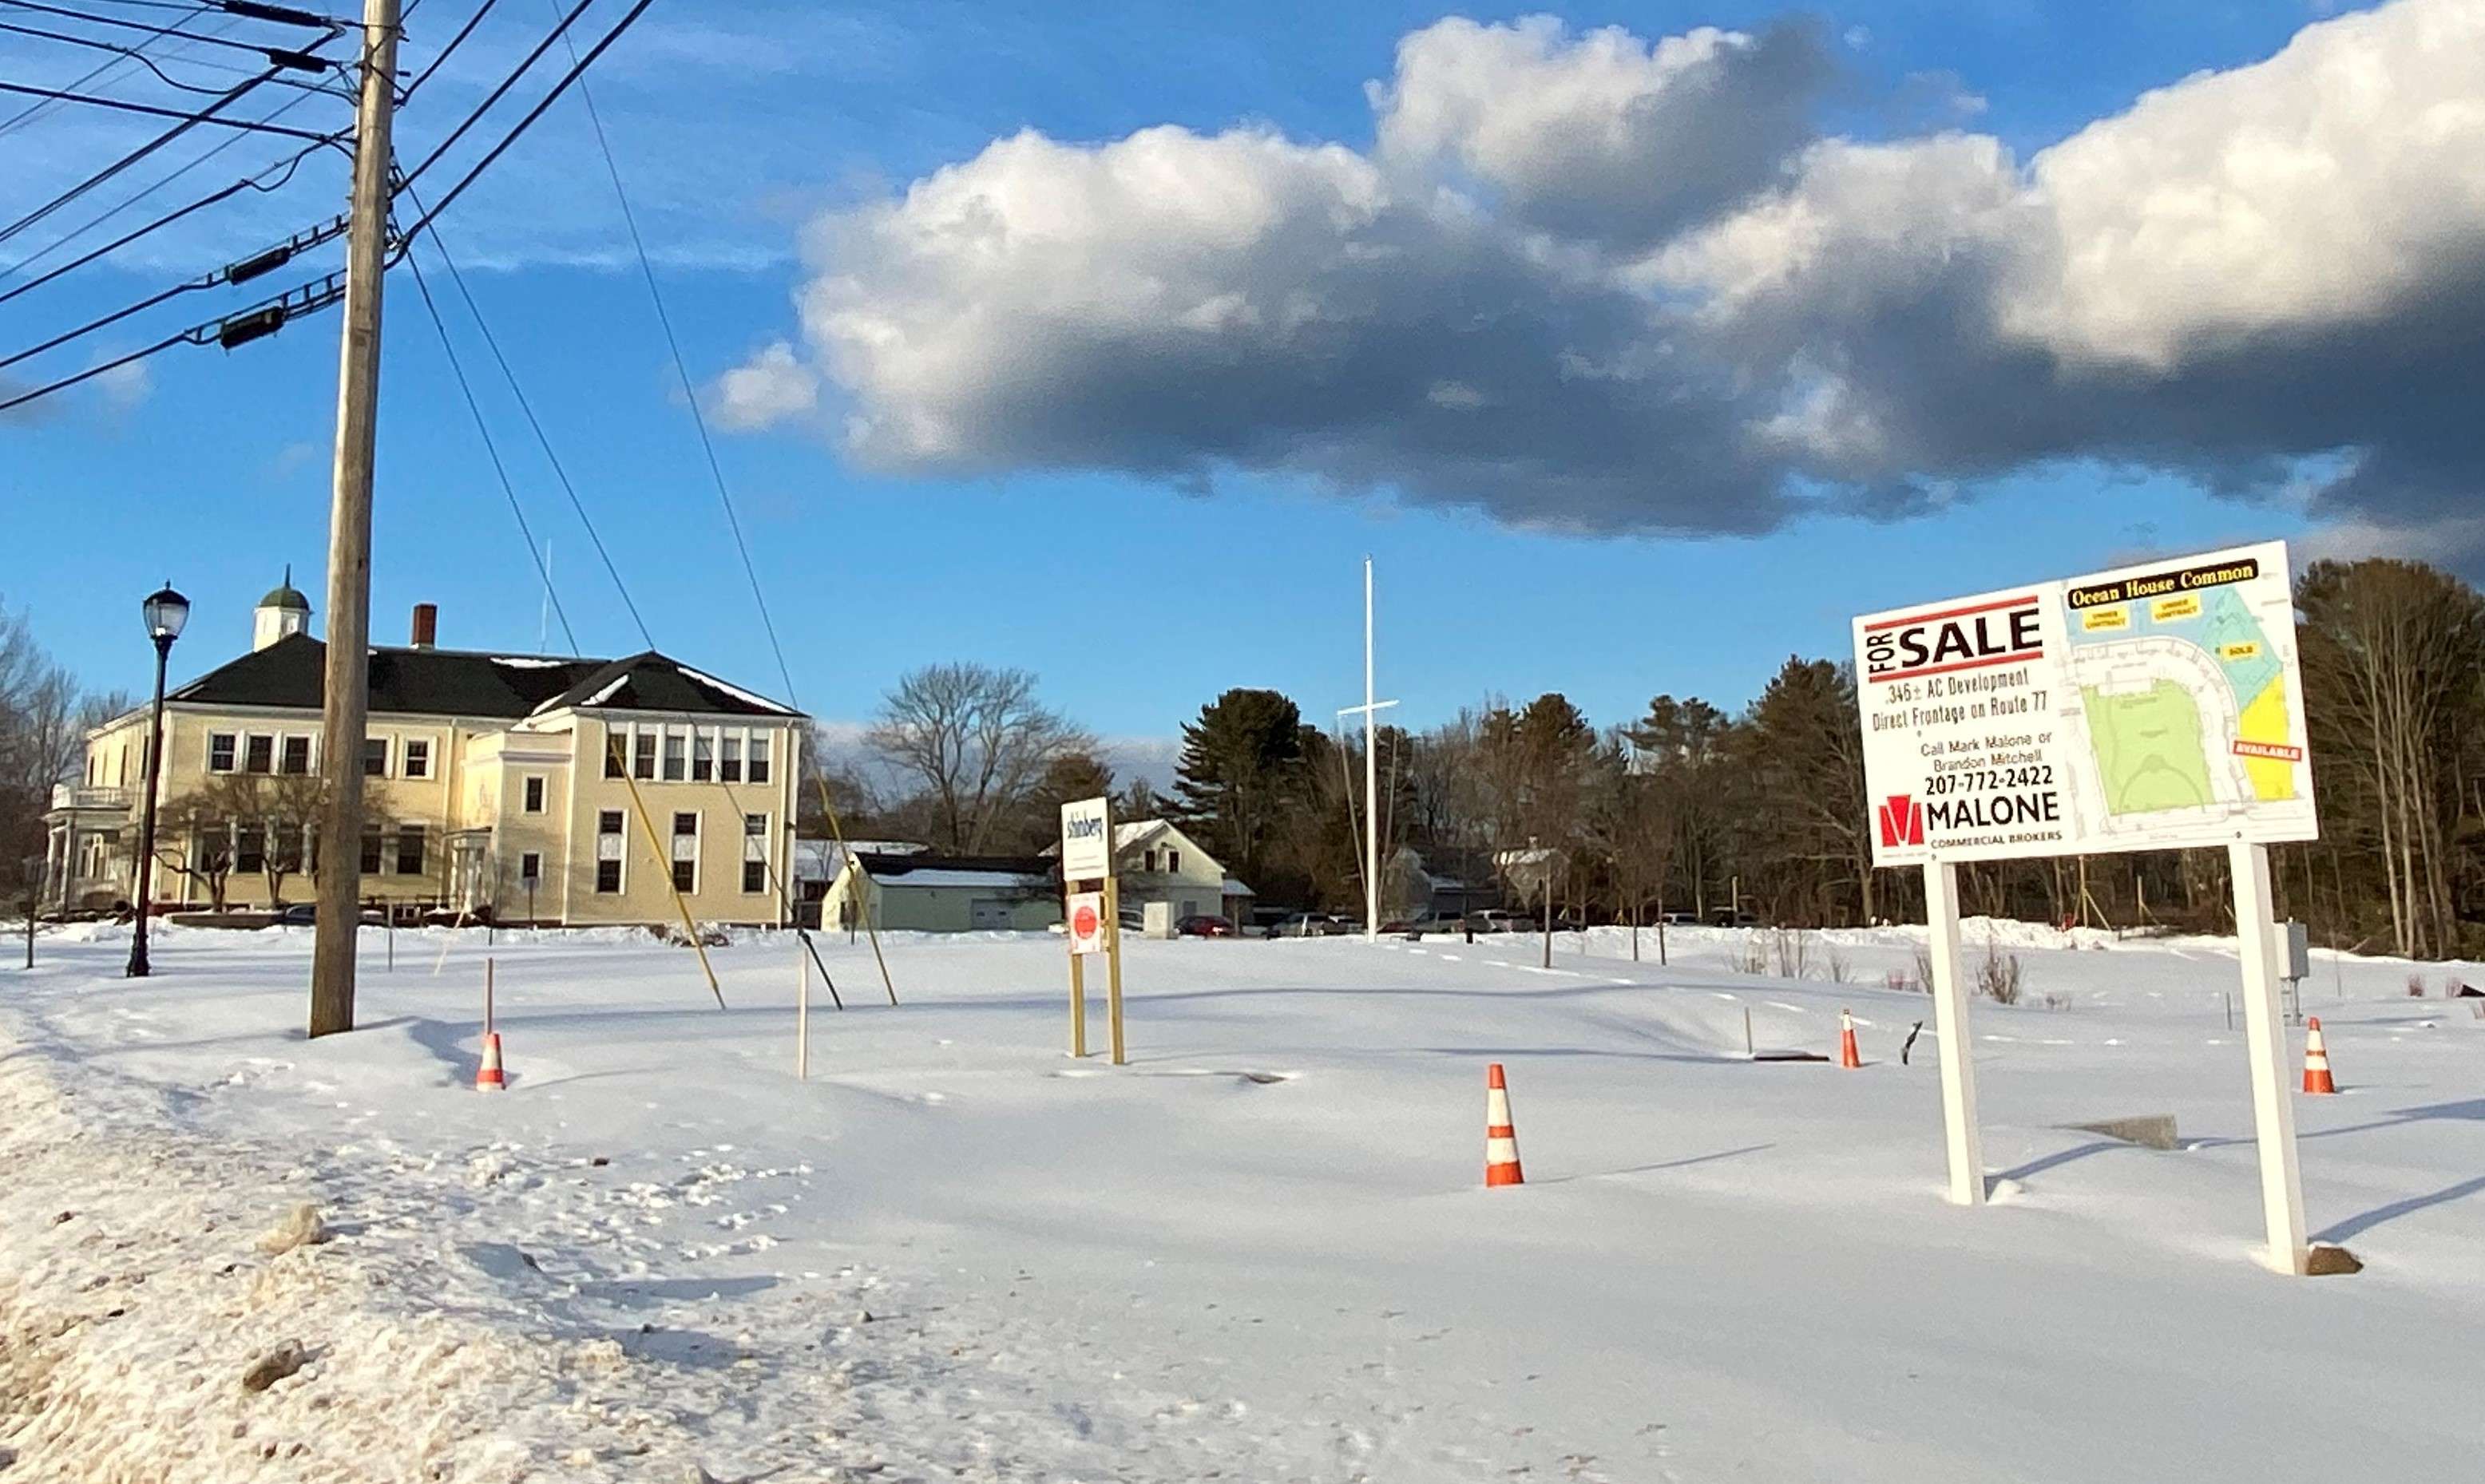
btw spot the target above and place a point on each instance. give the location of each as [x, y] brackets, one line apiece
[927, 868]
[651, 682]
[292, 673]
[820, 860]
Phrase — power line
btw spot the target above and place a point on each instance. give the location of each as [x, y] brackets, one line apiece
[123, 105]
[15, 120]
[239, 271]
[543, 440]
[496, 93]
[577, 67]
[237, 92]
[230, 331]
[273, 316]
[690, 393]
[248, 182]
[491, 449]
[137, 55]
[455, 41]
[279, 56]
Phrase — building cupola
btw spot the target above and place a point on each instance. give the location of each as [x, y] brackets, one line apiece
[282, 613]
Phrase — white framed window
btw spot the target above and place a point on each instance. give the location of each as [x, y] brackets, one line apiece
[414, 759]
[294, 757]
[686, 840]
[702, 754]
[643, 753]
[754, 852]
[409, 849]
[676, 754]
[608, 851]
[728, 763]
[759, 757]
[224, 753]
[259, 753]
[617, 748]
[1173, 862]
[376, 754]
[534, 791]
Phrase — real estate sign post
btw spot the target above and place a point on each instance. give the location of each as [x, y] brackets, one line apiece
[2154, 707]
[1092, 915]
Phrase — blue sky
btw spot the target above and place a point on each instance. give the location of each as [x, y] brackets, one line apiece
[1135, 597]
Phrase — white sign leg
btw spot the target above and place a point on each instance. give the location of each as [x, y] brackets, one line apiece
[2282, 1184]
[1958, 1049]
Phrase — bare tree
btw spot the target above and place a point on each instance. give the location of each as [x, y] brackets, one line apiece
[288, 808]
[977, 740]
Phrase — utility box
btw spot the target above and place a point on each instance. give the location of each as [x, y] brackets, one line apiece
[1156, 919]
[2298, 946]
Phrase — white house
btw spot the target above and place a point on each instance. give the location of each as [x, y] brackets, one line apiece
[1156, 861]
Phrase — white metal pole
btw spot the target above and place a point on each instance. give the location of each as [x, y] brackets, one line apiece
[803, 1011]
[1370, 779]
[1966, 1145]
[2282, 1184]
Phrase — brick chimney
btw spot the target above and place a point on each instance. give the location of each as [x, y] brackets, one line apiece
[426, 625]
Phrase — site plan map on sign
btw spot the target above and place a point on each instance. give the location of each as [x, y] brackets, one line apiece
[2146, 708]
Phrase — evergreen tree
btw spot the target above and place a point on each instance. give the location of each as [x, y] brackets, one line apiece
[1240, 765]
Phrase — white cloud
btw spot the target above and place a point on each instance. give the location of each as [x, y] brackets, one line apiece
[1599, 133]
[773, 387]
[1638, 326]
[2327, 184]
[126, 387]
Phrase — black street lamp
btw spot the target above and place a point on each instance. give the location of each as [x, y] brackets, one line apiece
[166, 612]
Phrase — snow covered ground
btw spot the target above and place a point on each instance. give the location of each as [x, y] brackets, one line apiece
[1261, 1252]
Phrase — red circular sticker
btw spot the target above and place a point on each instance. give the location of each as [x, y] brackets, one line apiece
[1085, 921]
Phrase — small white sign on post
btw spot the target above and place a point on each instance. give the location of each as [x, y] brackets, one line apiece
[2153, 707]
[1093, 917]
[1087, 841]
[1087, 922]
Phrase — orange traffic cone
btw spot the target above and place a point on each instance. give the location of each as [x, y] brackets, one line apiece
[487, 1077]
[1500, 1139]
[1847, 1055]
[2316, 1060]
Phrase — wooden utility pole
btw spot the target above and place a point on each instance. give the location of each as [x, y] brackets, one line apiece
[345, 718]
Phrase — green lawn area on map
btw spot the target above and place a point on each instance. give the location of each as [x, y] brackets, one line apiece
[2148, 748]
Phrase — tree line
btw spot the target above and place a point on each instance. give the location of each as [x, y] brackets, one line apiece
[1686, 807]
[1691, 807]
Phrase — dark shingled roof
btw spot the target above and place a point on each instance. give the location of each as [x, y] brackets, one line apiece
[291, 672]
[896, 868]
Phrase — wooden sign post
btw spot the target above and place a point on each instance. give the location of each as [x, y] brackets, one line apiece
[1091, 915]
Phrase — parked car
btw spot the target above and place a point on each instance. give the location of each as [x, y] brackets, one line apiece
[1728, 917]
[1311, 924]
[1496, 920]
[1205, 925]
[1678, 919]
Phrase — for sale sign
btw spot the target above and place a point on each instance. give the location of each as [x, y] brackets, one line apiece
[2146, 708]
[1087, 924]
